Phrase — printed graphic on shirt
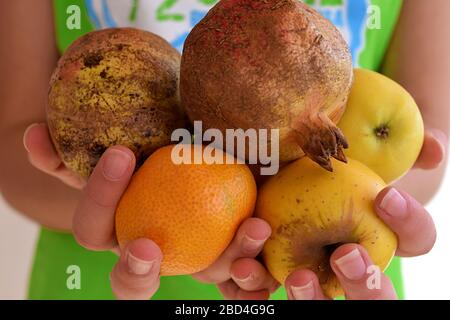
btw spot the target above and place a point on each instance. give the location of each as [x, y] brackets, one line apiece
[349, 16]
[173, 19]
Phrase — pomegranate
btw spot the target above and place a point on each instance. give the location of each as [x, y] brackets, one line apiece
[273, 64]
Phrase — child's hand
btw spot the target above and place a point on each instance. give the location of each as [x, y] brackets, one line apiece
[416, 235]
[136, 274]
[237, 273]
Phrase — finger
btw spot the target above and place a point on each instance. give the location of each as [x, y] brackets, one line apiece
[248, 242]
[433, 149]
[250, 275]
[136, 274]
[408, 219]
[43, 156]
[231, 291]
[304, 285]
[37, 142]
[359, 278]
[93, 222]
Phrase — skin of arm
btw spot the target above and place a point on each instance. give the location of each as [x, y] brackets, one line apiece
[419, 59]
[28, 56]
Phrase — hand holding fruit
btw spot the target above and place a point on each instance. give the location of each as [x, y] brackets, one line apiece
[238, 275]
[137, 106]
[416, 236]
[136, 274]
[410, 221]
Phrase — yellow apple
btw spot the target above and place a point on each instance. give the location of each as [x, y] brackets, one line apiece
[383, 125]
[313, 211]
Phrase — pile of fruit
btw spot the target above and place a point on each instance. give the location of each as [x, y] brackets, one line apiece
[247, 64]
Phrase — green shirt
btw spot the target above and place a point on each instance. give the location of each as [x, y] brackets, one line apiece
[367, 25]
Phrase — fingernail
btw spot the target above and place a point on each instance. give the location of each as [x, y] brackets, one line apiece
[305, 292]
[115, 164]
[394, 204]
[138, 266]
[25, 135]
[247, 279]
[252, 245]
[352, 265]
[440, 136]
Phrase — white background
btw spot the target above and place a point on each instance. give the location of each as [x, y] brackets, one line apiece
[426, 277]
